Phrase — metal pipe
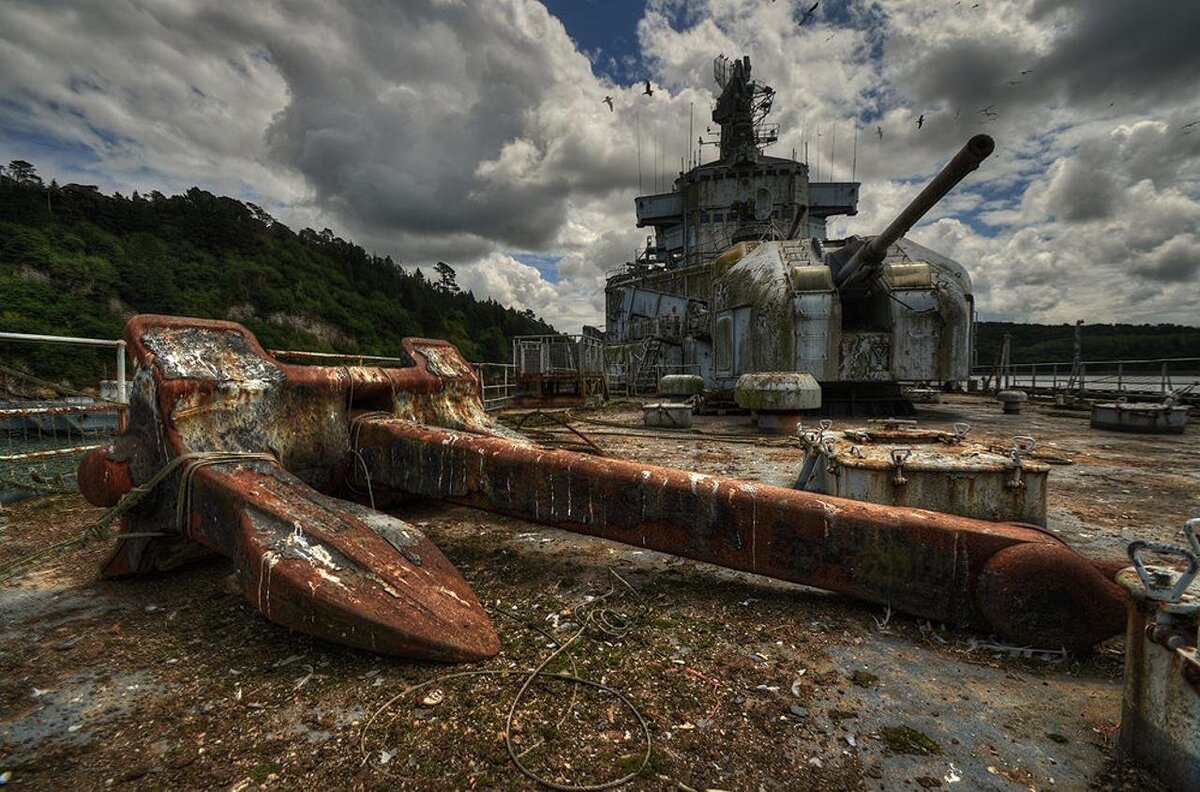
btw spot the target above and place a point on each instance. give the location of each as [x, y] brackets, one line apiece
[122, 397]
[53, 452]
[50, 339]
[291, 353]
[73, 409]
[975, 151]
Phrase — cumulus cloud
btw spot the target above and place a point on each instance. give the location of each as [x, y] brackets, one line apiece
[475, 133]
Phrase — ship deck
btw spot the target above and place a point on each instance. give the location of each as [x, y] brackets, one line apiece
[744, 682]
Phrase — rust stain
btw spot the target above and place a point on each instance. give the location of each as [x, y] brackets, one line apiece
[306, 560]
[351, 574]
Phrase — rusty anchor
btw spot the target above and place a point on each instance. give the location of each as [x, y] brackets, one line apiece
[306, 560]
[346, 572]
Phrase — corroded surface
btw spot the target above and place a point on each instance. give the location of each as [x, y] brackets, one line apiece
[928, 469]
[210, 674]
[307, 561]
[919, 562]
[421, 430]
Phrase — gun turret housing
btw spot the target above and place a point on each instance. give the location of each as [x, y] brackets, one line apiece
[863, 265]
[741, 276]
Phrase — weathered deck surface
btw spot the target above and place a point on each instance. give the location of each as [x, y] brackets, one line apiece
[173, 681]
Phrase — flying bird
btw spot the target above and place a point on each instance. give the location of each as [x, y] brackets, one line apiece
[649, 91]
[921, 121]
[1026, 71]
[608, 101]
[987, 109]
[879, 131]
[808, 14]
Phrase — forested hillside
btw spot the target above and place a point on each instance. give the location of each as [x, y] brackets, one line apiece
[74, 261]
[1033, 343]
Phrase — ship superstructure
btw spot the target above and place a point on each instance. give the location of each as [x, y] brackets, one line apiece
[740, 276]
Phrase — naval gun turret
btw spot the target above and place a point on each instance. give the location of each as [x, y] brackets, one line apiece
[866, 258]
[741, 278]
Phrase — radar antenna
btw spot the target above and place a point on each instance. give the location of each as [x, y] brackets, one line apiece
[741, 110]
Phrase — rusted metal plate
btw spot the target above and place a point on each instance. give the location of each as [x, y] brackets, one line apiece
[353, 575]
[308, 561]
[926, 564]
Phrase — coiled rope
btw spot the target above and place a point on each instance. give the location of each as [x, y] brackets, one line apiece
[98, 531]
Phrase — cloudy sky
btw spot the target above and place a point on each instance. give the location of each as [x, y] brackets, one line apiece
[474, 131]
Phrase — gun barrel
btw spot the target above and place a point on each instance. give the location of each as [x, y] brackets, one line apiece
[973, 152]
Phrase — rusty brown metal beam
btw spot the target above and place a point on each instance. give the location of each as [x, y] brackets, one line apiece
[1019, 580]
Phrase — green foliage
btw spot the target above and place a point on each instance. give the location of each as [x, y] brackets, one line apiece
[76, 262]
[1032, 343]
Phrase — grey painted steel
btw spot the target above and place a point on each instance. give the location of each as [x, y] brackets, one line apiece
[973, 152]
[667, 415]
[1140, 418]
[732, 284]
[680, 385]
[1012, 400]
[918, 469]
[1160, 712]
[778, 391]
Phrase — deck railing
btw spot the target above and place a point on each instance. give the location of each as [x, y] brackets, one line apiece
[45, 428]
[1132, 377]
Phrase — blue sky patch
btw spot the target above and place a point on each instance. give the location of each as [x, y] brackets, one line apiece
[546, 265]
[606, 31]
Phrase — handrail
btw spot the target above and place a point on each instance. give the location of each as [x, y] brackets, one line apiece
[117, 344]
[988, 368]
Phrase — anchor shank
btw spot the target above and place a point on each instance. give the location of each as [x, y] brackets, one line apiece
[923, 563]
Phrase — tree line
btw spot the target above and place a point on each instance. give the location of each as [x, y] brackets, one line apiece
[1036, 343]
[74, 261]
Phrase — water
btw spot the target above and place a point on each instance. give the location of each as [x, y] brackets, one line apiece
[1133, 384]
[25, 474]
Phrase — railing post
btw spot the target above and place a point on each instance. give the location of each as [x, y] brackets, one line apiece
[1165, 379]
[121, 395]
[1120, 377]
[1033, 379]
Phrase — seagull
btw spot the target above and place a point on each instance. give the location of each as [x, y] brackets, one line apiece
[808, 14]
[1026, 71]
[1191, 124]
[649, 91]
[987, 109]
[608, 101]
[879, 131]
[957, 110]
[921, 121]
